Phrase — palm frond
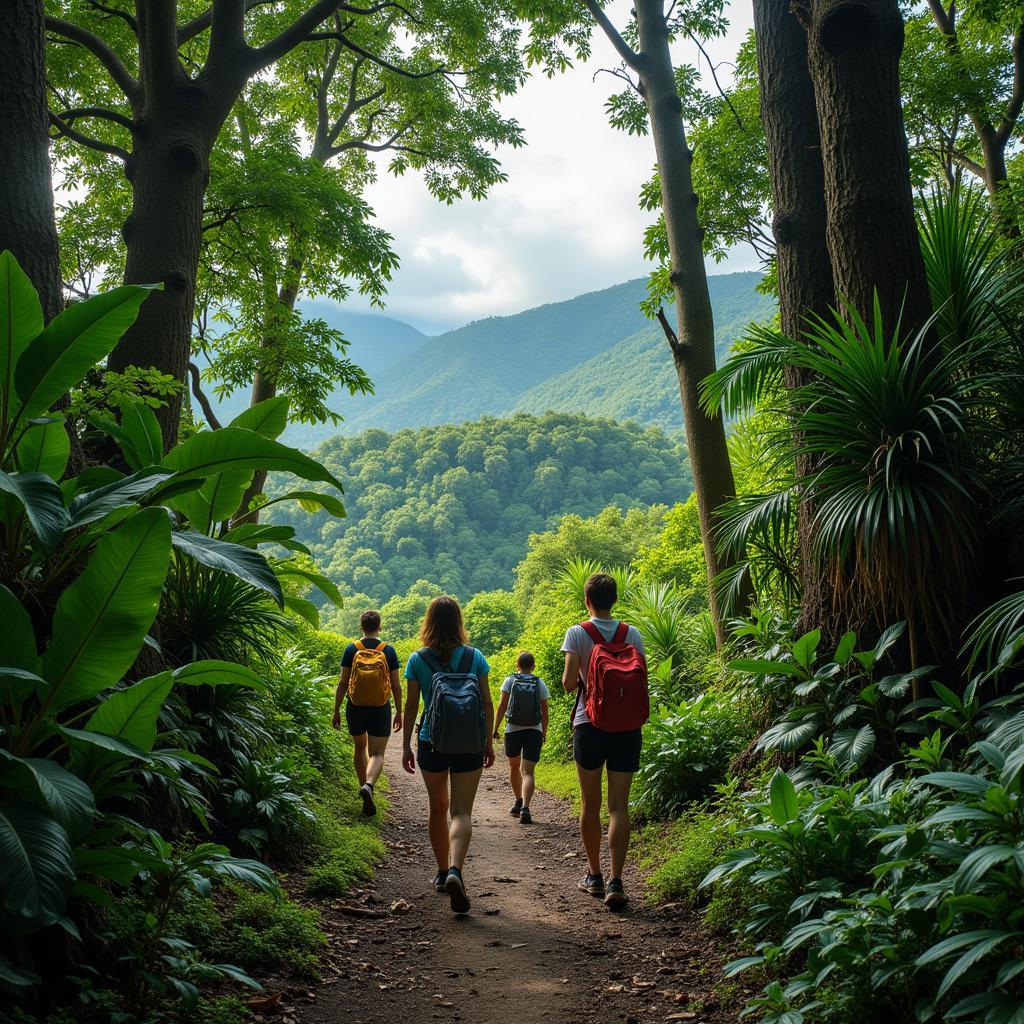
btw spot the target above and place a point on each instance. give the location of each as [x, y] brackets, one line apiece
[750, 373]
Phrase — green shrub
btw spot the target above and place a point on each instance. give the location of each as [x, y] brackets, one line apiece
[321, 647]
[685, 853]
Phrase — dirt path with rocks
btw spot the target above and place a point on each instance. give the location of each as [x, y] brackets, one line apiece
[533, 949]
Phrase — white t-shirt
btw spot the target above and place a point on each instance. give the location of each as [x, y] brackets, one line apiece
[577, 641]
[545, 694]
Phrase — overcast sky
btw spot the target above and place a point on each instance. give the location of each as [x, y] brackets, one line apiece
[566, 221]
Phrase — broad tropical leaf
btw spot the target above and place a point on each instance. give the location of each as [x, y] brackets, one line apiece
[44, 448]
[326, 586]
[91, 506]
[21, 319]
[19, 640]
[42, 500]
[67, 798]
[104, 615]
[245, 563]
[267, 418]
[36, 864]
[217, 673]
[131, 714]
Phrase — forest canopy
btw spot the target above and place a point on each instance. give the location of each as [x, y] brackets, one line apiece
[456, 504]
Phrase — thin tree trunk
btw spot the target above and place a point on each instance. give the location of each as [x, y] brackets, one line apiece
[694, 353]
[793, 145]
[853, 50]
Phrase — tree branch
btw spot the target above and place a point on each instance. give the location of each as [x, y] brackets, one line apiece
[108, 115]
[87, 140]
[624, 50]
[200, 397]
[380, 61]
[714, 74]
[203, 21]
[670, 335]
[115, 12]
[1013, 107]
[100, 50]
[297, 32]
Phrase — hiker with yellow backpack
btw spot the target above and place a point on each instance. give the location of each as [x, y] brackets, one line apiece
[369, 677]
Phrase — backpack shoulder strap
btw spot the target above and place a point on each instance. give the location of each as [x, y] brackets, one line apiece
[432, 660]
[593, 632]
[620, 633]
[358, 645]
[468, 657]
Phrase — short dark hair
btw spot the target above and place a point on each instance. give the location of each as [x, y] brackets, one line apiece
[369, 621]
[600, 591]
[525, 661]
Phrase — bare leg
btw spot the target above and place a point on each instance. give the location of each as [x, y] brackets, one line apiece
[437, 815]
[515, 778]
[590, 816]
[359, 757]
[377, 746]
[464, 786]
[529, 781]
[618, 819]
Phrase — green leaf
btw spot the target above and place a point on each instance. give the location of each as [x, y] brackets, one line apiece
[806, 648]
[92, 506]
[216, 673]
[761, 667]
[36, 864]
[844, 652]
[71, 344]
[79, 739]
[888, 638]
[245, 563]
[16, 976]
[131, 714]
[44, 448]
[21, 319]
[141, 440]
[267, 418]
[785, 805]
[234, 448]
[853, 746]
[104, 615]
[962, 782]
[322, 583]
[311, 501]
[67, 798]
[303, 609]
[19, 640]
[42, 500]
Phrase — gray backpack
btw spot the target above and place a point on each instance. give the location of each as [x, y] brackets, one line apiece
[456, 720]
[524, 700]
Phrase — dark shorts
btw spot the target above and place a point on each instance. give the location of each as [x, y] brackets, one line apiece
[375, 721]
[431, 761]
[525, 743]
[620, 751]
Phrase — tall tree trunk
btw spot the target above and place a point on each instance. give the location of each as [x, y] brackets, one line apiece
[27, 225]
[853, 49]
[793, 144]
[694, 353]
[168, 169]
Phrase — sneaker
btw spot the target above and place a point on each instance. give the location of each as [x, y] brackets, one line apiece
[456, 890]
[516, 809]
[366, 792]
[439, 881]
[525, 817]
[593, 885]
[616, 898]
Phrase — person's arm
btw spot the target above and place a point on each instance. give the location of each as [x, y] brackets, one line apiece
[339, 695]
[396, 689]
[412, 705]
[489, 714]
[543, 720]
[571, 675]
[502, 708]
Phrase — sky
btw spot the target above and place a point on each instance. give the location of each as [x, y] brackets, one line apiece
[566, 221]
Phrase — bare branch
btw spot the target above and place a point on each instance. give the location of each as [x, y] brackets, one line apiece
[203, 21]
[115, 12]
[624, 50]
[200, 396]
[1016, 101]
[87, 140]
[619, 73]
[714, 74]
[100, 50]
[380, 61]
[108, 115]
[670, 334]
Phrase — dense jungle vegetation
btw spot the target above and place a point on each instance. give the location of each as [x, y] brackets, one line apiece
[834, 769]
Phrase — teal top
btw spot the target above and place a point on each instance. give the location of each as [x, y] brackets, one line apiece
[419, 671]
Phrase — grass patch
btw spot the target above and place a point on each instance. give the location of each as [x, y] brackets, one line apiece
[559, 779]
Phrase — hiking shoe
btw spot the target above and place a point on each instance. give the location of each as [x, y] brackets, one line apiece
[525, 817]
[439, 881]
[516, 809]
[593, 885]
[453, 885]
[366, 792]
[616, 898]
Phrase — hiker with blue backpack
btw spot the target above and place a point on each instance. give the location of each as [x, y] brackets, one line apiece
[605, 667]
[524, 697]
[454, 739]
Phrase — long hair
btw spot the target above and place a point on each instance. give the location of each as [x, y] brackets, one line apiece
[442, 630]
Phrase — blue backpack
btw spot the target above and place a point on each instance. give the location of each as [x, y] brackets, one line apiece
[456, 720]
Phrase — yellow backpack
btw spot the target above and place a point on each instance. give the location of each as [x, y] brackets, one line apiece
[369, 682]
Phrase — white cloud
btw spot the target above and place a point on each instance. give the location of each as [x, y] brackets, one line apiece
[566, 221]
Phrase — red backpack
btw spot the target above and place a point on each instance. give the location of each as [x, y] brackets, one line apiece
[616, 693]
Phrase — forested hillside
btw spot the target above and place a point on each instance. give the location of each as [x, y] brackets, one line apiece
[456, 504]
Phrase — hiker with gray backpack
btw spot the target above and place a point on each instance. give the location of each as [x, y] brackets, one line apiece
[454, 738]
[524, 697]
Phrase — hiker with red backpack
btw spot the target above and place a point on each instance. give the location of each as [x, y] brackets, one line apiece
[605, 667]
[454, 741]
[369, 676]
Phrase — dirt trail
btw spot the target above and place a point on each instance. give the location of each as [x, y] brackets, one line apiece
[533, 950]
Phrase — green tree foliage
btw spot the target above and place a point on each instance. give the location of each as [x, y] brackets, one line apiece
[456, 504]
[493, 620]
[402, 614]
[677, 555]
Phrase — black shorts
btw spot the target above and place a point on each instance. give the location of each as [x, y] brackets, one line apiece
[375, 721]
[620, 751]
[525, 743]
[431, 761]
